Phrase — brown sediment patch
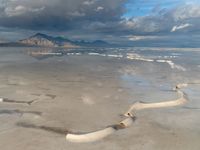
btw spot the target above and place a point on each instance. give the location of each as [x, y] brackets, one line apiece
[9, 112]
[30, 112]
[193, 108]
[43, 88]
[36, 94]
[17, 111]
[13, 84]
[74, 81]
[56, 130]
[6, 100]
[51, 96]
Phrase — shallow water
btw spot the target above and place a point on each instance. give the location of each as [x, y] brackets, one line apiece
[83, 90]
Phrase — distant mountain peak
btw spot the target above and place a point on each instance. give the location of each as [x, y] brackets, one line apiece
[43, 40]
[40, 35]
[100, 42]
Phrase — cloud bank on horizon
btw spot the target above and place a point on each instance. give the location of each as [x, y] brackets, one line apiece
[115, 20]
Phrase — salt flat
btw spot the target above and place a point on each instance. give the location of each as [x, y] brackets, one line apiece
[84, 93]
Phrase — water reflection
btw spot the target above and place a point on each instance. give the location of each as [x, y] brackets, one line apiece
[41, 54]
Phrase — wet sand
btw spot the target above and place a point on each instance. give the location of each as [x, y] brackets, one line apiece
[86, 93]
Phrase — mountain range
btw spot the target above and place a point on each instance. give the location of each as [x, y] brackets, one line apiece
[43, 40]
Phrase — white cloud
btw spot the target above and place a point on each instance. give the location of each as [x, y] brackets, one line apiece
[129, 23]
[145, 24]
[137, 38]
[186, 12]
[37, 9]
[20, 10]
[99, 8]
[180, 27]
[89, 2]
[77, 14]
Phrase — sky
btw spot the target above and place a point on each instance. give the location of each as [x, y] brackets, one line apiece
[132, 22]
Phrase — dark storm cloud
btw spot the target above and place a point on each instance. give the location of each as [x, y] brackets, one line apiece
[96, 16]
[103, 19]
[58, 14]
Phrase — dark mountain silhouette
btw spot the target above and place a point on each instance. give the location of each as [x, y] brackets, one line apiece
[43, 40]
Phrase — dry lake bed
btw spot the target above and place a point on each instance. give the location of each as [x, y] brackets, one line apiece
[47, 93]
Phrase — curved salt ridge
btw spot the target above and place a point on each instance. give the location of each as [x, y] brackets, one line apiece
[183, 85]
[140, 105]
[90, 137]
[98, 135]
[1, 100]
